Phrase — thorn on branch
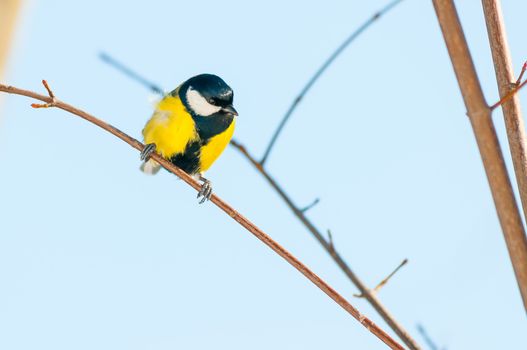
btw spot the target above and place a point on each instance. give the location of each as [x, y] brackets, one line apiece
[315, 202]
[51, 96]
[384, 281]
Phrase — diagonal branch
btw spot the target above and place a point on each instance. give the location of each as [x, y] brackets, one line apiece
[248, 225]
[330, 249]
[489, 147]
[505, 78]
[130, 73]
[431, 344]
[321, 70]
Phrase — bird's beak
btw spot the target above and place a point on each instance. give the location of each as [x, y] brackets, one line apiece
[229, 110]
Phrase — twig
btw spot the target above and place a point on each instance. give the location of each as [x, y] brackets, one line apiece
[51, 95]
[248, 225]
[307, 207]
[320, 71]
[524, 68]
[489, 148]
[385, 280]
[330, 249]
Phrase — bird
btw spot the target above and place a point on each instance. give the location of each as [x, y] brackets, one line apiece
[190, 127]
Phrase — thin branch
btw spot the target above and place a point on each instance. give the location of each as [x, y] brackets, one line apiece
[321, 70]
[385, 280]
[51, 95]
[524, 68]
[330, 249]
[248, 225]
[131, 73]
[489, 147]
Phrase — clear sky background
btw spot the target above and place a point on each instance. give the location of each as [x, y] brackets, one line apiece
[96, 255]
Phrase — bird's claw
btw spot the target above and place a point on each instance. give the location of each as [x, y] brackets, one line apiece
[147, 151]
[205, 191]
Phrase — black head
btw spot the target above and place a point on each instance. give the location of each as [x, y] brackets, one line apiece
[207, 94]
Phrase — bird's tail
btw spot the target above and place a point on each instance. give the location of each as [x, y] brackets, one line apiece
[150, 167]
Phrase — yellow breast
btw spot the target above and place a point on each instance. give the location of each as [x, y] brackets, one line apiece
[171, 127]
[212, 150]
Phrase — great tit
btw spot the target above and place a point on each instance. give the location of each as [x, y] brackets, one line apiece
[190, 127]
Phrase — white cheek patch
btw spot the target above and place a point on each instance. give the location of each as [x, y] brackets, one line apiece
[199, 104]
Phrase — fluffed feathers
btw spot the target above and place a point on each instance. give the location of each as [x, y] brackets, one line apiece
[150, 167]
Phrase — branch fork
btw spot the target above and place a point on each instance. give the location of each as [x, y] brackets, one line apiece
[53, 99]
[515, 87]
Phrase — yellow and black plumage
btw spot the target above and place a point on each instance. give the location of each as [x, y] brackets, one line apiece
[191, 127]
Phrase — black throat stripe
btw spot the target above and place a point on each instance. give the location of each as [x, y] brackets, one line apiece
[212, 125]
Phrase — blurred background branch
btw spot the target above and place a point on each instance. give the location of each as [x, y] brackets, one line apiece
[132, 74]
[9, 10]
[8, 15]
[428, 340]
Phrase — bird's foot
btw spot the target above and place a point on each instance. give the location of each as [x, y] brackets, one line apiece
[206, 190]
[147, 151]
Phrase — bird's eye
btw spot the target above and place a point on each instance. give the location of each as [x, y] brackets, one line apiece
[212, 101]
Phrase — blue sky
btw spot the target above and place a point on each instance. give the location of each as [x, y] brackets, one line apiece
[94, 254]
